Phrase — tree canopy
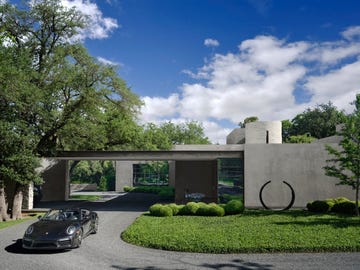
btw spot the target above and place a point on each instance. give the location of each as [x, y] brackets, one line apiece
[319, 122]
[54, 95]
[345, 164]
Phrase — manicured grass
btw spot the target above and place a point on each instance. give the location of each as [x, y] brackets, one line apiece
[85, 197]
[254, 231]
[9, 223]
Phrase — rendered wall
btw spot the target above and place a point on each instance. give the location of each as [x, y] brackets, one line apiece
[196, 177]
[237, 136]
[124, 175]
[298, 164]
[263, 132]
[56, 185]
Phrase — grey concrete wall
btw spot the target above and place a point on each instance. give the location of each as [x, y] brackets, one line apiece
[56, 185]
[196, 177]
[124, 174]
[172, 168]
[298, 164]
[237, 136]
[257, 132]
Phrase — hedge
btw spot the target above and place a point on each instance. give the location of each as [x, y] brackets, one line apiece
[197, 209]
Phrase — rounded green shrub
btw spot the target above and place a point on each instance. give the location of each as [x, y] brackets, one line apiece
[341, 199]
[189, 209]
[319, 206]
[128, 189]
[203, 210]
[160, 210]
[344, 207]
[175, 208]
[234, 207]
[216, 210]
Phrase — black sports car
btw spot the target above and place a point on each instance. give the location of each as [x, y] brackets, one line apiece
[61, 229]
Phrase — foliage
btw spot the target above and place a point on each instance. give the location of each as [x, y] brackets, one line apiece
[320, 206]
[254, 231]
[160, 210]
[203, 209]
[175, 208]
[306, 138]
[234, 207]
[128, 189]
[319, 122]
[164, 191]
[189, 209]
[248, 120]
[85, 197]
[99, 172]
[211, 209]
[9, 223]
[345, 207]
[286, 129]
[54, 95]
[345, 165]
[225, 198]
[73, 95]
[339, 205]
[185, 133]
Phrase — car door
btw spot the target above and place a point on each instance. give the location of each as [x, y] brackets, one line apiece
[85, 220]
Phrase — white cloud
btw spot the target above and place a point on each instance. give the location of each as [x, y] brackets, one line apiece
[107, 62]
[156, 108]
[209, 42]
[260, 79]
[351, 33]
[99, 26]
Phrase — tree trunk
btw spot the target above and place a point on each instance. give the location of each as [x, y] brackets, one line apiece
[3, 206]
[357, 197]
[17, 202]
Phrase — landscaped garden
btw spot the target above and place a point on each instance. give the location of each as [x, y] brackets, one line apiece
[251, 231]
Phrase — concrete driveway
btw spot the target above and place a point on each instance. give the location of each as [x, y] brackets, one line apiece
[106, 250]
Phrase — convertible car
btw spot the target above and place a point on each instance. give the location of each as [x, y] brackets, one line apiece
[61, 229]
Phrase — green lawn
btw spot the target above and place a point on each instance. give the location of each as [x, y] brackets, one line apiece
[254, 231]
[85, 197]
[6, 224]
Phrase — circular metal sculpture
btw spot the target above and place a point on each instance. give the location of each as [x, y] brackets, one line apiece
[292, 196]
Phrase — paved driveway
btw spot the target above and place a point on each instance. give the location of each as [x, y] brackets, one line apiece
[106, 250]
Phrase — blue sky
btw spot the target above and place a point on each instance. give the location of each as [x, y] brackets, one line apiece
[220, 61]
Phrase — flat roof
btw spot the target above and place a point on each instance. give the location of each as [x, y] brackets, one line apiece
[179, 152]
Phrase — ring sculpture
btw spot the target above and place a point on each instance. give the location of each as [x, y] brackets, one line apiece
[292, 196]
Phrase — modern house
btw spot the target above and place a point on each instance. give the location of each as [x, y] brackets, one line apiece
[281, 172]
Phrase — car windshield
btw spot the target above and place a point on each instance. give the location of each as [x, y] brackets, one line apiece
[62, 215]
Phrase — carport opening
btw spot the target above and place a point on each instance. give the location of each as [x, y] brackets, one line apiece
[230, 179]
[92, 175]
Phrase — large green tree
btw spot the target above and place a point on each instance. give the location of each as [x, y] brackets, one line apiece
[49, 83]
[319, 122]
[346, 162]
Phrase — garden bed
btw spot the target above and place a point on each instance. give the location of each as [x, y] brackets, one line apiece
[254, 231]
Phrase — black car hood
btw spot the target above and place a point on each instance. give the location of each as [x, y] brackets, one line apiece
[47, 229]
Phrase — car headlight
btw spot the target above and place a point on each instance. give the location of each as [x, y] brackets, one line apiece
[71, 230]
[29, 230]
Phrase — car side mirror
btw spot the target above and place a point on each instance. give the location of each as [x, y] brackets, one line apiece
[39, 217]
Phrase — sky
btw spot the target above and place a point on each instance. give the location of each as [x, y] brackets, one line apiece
[220, 61]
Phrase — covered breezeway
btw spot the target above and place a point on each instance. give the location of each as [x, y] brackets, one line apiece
[193, 168]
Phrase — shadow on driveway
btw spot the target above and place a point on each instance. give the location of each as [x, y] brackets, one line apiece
[133, 202]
